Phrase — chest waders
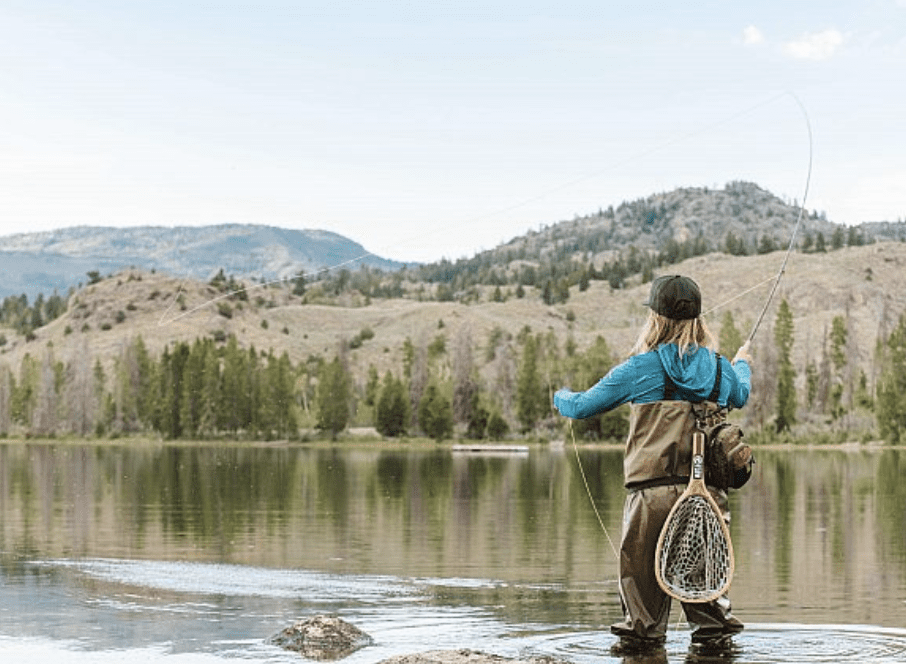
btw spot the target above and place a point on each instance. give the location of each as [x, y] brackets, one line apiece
[656, 469]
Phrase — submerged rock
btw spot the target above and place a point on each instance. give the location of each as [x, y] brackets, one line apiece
[466, 656]
[322, 638]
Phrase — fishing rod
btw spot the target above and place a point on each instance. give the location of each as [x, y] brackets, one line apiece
[764, 309]
[789, 250]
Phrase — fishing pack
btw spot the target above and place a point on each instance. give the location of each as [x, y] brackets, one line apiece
[728, 458]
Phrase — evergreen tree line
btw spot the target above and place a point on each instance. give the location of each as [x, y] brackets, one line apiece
[554, 268]
[440, 392]
[194, 391]
[443, 389]
[835, 391]
[217, 390]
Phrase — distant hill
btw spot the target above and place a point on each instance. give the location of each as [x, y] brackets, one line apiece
[652, 232]
[645, 234]
[35, 263]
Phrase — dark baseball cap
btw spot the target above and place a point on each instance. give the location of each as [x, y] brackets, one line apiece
[675, 297]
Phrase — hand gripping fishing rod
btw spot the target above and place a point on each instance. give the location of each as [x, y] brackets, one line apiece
[789, 250]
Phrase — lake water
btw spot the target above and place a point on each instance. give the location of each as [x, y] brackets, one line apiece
[197, 554]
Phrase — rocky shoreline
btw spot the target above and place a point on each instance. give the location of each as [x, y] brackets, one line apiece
[327, 638]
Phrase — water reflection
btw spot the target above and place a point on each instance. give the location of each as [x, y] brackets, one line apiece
[820, 536]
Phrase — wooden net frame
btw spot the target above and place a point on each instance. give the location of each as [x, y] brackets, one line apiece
[694, 559]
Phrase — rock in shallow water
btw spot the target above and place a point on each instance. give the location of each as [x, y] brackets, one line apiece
[322, 638]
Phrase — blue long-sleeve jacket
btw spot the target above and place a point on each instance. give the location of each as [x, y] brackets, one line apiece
[642, 378]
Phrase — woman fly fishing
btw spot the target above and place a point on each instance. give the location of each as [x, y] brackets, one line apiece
[672, 365]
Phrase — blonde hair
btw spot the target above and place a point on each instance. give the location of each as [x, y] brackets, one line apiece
[688, 334]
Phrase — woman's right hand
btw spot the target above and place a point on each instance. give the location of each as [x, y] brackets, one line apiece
[744, 353]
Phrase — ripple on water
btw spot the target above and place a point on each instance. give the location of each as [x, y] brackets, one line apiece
[760, 643]
[839, 644]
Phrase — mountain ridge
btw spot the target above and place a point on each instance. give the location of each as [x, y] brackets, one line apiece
[740, 218]
[59, 259]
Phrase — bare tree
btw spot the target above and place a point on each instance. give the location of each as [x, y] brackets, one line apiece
[79, 393]
[418, 381]
[6, 389]
[45, 419]
[464, 385]
[505, 378]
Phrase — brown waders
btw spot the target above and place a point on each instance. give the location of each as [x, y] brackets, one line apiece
[656, 467]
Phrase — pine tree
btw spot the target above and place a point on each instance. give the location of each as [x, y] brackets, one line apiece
[891, 401]
[418, 381]
[837, 239]
[528, 385]
[435, 414]
[143, 378]
[786, 375]
[372, 386]
[478, 419]
[547, 292]
[730, 339]
[333, 397]
[252, 421]
[498, 429]
[193, 394]
[211, 387]
[128, 394]
[820, 246]
[24, 394]
[276, 418]
[172, 375]
[391, 415]
[811, 385]
[299, 284]
[838, 337]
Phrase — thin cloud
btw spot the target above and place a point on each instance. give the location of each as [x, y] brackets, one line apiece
[752, 36]
[815, 45]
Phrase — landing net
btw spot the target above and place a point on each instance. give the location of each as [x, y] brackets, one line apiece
[695, 557]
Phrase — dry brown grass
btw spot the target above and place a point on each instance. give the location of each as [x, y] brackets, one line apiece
[866, 283]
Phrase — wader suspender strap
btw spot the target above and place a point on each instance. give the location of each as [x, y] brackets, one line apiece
[670, 386]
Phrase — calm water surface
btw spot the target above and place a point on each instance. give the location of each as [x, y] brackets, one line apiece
[185, 553]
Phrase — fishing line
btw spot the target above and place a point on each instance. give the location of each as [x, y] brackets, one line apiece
[789, 250]
[164, 319]
[799, 273]
[591, 499]
[588, 491]
[740, 295]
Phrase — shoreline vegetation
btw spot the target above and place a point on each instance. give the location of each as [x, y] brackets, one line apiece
[758, 442]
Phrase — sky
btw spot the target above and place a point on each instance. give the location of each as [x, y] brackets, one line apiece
[438, 129]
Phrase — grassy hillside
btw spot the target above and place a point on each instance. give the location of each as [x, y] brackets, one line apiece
[866, 285]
